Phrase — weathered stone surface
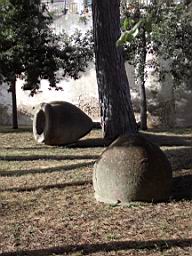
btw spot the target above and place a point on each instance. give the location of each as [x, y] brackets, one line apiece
[132, 169]
[60, 123]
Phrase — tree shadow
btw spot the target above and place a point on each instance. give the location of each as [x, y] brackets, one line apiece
[25, 148]
[182, 188]
[90, 143]
[168, 140]
[178, 130]
[181, 162]
[48, 157]
[87, 249]
[8, 129]
[159, 139]
[48, 187]
[62, 168]
[180, 157]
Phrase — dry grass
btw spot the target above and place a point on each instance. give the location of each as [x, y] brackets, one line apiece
[47, 205]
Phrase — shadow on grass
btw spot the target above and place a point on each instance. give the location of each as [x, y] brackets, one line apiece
[48, 187]
[46, 170]
[178, 131]
[161, 140]
[90, 143]
[87, 249]
[168, 140]
[182, 188]
[48, 157]
[6, 129]
[26, 148]
[180, 157]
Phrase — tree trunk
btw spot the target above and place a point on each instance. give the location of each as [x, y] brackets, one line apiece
[140, 77]
[117, 115]
[14, 104]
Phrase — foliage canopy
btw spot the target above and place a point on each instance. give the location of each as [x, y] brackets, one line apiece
[28, 45]
[168, 29]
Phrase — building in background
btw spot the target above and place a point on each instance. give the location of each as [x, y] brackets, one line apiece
[59, 7]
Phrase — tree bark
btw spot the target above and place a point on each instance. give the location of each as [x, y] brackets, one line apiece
[14, 104]
[117, 115]
[140, 77]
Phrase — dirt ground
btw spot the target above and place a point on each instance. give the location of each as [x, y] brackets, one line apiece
[47, 204]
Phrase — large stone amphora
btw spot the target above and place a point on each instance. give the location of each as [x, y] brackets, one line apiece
[132, 169]
[60, 123]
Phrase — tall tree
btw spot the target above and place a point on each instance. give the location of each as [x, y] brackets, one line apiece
[140, 60]
[117, 115]
[173, 40]
[136, 26]
[156, 27]
[28, 46]
[23, 42]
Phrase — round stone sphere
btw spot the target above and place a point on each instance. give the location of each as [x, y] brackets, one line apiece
[132, 169]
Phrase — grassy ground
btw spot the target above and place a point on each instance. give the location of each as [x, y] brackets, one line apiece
[47, 204]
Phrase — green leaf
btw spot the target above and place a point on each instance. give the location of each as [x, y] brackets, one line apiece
[126, 23]
[124, 38]
[137, 25]
[128, 36]
[135, 33]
